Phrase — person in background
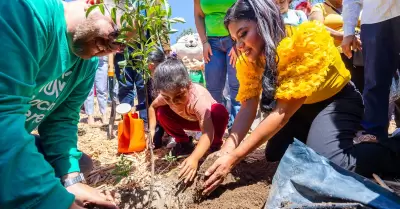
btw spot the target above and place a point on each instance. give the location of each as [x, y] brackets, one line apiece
[155, 58]
[183, 105]
[100, 84]
[291, 17]
[394, 103]
[130, 79]
[130, 83]
[307, 94]
[380, 34]
[330, 14]
[304, 6]
[45, 77]
[218, 53]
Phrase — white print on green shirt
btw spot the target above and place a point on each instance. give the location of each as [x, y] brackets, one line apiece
[45, 100]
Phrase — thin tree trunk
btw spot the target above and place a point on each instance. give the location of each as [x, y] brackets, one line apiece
[150, 139]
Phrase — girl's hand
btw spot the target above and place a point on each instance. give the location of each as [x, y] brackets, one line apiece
[233, 57]
[150, 139]
[188, 169]
[207, 52]
[218, 171]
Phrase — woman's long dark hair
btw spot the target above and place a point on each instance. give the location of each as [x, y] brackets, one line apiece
[272, 29]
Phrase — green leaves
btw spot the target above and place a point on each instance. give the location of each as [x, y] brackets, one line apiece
[91, 8]
[177, 20]
[101, 7]
[145, 24]
[172, 31]
[114, 15]
[167, 8]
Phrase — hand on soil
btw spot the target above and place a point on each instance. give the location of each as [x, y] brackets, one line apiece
[149, 139]
[217, 172]
[188, 169]
[85, 195]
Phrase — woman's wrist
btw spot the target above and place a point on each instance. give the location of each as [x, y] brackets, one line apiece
[204, 42]
[235, 156]
[229, 144]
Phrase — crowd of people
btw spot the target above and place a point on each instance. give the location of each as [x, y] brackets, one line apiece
[319, 71]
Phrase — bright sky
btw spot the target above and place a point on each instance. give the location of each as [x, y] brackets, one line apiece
[182, 8]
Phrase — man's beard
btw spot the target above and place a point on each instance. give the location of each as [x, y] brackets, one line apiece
[83, 39]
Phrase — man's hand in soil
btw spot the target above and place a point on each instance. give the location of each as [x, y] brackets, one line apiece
[75, 206]
[85, 195]
[218, 171]
[188, 169]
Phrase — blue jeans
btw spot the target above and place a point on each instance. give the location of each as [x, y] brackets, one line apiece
[126, 90]
[381, 48]
[100, 83]
[218, 70]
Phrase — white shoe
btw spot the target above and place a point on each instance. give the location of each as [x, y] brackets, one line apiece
[171, 143]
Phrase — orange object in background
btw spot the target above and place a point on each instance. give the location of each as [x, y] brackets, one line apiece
[131, 136]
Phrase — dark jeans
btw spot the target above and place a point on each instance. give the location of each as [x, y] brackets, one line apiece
[328, 127]
[397, 112]
[381, 48]
[85, 163]
[126, 89]
[395, 107]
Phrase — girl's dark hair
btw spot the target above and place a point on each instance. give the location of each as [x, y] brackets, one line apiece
[271, 28]
[170, 75]
[157, 56]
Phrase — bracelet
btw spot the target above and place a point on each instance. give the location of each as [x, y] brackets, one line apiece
[204, 42]
[71, 181]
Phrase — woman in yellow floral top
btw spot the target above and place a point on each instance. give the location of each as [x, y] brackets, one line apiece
[306, 90]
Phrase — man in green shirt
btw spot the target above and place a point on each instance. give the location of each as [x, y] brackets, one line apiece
[47, 68]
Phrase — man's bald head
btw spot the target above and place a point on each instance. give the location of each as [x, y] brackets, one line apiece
[93, 35]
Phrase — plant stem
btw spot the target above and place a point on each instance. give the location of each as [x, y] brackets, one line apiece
[150, 141]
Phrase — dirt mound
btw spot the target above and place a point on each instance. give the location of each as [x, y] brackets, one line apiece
[246, 187]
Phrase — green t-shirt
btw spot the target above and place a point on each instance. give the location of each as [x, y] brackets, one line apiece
[215, 11]
[42, 84]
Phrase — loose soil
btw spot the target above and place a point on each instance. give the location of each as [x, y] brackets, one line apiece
[246, 187]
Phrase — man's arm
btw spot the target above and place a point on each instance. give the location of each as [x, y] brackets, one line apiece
[58, 132]
[27, 180]
[351, 13]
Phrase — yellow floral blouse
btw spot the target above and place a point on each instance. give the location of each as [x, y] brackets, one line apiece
[309, 66]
